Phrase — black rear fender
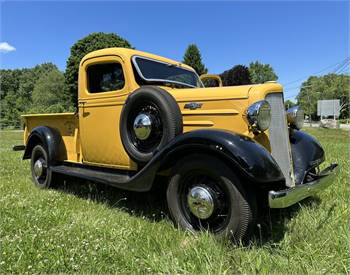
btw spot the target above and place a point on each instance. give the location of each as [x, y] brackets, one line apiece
[51, 140]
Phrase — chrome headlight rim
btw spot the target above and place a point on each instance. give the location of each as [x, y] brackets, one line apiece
[295, 117]
[256, 116]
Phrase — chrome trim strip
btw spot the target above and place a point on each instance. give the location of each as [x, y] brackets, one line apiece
[210, 112]
[288, 197]
[198, 123]
[133, 58]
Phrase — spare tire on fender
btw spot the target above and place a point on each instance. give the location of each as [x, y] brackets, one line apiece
[149, 119]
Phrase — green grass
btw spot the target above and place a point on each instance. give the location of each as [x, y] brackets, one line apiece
[83, 227]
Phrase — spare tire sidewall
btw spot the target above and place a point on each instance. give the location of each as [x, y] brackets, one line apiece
[169, 114]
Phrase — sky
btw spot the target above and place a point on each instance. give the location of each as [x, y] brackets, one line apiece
[297, 38]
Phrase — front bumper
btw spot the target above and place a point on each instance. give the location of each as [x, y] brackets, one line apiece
[288, 197]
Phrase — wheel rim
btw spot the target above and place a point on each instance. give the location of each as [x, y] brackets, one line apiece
[145, 127]
[40, 168]
[204, 202]
[200, 202]
[142, 126]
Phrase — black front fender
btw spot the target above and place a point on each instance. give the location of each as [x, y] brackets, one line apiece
[307, 154]
[51, 140]
[240, 152]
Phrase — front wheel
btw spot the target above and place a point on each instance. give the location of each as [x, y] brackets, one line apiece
[41, 172]
[205, 194]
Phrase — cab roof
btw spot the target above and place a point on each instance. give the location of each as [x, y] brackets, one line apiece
[126, 53]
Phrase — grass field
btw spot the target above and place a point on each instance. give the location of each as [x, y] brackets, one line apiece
[83, 227]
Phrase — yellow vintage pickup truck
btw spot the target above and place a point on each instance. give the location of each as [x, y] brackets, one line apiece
[141, 115]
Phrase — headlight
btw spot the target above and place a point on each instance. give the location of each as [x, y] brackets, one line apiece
[259, 115]
[295, 117]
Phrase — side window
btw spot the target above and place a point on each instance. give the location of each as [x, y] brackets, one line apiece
[105, 77]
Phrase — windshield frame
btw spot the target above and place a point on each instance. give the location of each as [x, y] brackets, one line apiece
[134, 57]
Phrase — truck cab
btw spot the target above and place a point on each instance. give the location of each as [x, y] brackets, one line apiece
[141, 115]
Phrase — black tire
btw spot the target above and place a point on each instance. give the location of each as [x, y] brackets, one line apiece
[234, 213]
[166, 118]
[44, 180]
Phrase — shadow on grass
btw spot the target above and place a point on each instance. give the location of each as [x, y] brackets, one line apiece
[150, 205]
[271, 224]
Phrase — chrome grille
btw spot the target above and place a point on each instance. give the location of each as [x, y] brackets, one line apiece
[279, 137]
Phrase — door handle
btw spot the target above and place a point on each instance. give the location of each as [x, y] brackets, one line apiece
[81, 106]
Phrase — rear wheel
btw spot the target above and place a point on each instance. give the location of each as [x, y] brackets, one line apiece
[205, 194]
[41, 172]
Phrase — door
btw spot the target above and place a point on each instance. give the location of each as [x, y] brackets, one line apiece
[103, 90]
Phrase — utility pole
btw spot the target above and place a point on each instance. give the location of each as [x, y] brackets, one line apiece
[309, 102]
[309, 105]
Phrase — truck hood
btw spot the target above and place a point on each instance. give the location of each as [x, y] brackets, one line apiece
[213, 93]
[253, 92]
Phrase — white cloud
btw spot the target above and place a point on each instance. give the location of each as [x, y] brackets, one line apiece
[6, 47]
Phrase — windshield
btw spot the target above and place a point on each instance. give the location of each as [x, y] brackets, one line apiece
[157, 71]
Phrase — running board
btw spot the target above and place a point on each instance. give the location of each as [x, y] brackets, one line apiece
[120, 179]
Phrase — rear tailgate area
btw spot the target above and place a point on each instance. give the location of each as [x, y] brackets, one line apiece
[65, 123]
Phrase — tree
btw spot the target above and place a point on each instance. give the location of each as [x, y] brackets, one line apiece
[48, 96]
[238, 75]
[92, 42]
[10, 80]
[29, 77]
[289, 104]
[16, 91]
[11, 109]
[260, 73]
[193, 58]
[330, 86]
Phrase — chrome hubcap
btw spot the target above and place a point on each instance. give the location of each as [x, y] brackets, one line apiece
[200, 202]
[142, 126]
[39, 167]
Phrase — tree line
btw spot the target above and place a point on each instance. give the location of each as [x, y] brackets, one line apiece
[329, 86]
[39, 89]
[239, 74]
[45, 89]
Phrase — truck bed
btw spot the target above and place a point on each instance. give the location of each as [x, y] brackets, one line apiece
[66, 123]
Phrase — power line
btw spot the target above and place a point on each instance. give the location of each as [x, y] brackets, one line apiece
[291, 96]
[340, 70]
[341, 67]
[343, 70]
[294, 95]
[324, 69]
[295, 87]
